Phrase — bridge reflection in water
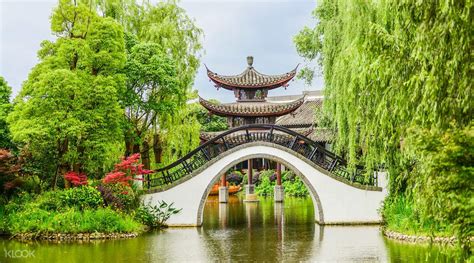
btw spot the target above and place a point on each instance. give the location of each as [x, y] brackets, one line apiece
[269, 231]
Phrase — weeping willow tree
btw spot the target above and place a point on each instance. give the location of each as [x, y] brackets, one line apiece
[398, 87]
[181, 135]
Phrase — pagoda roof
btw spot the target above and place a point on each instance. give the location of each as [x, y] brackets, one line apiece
[251, 78]
[257, 109]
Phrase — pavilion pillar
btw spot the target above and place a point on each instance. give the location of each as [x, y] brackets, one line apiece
[250, 196]
[223, 190]
[279, 192]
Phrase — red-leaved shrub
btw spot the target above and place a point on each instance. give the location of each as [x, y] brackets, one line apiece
[10, 167]
[75, 178]
[126, 171]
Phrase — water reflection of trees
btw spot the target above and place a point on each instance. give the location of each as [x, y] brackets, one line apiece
[259, 231]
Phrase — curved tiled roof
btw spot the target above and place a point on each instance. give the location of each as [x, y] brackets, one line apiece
[258, 109]
[251, 78]
[304, 116]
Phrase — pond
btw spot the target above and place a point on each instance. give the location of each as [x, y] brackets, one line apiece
[262, 231]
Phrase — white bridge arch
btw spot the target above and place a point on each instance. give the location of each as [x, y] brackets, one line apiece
[336, 200]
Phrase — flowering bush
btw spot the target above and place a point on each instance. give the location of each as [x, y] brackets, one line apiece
[126, 171]
[235, 178]
[75, 178]
[117, 177]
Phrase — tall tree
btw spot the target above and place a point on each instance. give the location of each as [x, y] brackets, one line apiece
[397, 74]
[163, 23]
[175, 52]
[5, 108]
[182, 136]
[67, 113]
[152, 91]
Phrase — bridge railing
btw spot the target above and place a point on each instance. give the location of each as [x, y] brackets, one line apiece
[287, 138]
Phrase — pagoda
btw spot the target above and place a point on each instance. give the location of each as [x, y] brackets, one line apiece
[251, 107]
[250, 89]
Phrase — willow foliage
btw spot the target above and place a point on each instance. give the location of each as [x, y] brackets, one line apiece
[389, 66]
[164, 23]
[393, 71]
[182, 136]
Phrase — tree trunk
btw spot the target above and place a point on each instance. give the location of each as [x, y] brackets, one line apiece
[62, 167]
[63, 170]
[128, 143]
[157, 148]
[146, 155]
[128, 147]
[136, 148]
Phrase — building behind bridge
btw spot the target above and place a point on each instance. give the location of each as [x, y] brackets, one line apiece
[254, 106]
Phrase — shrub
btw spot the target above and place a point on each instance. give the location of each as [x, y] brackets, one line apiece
[9, 180]
[255, 178]
[235, 178]
[18, 202]
[129, 197]
[33, 184]
[109, 197]
[155, 216]
[50, 201]
[82, 197]
[295, 187]
[267, 173]
[3, 220]
[126, 171]
[33, 220]
[265, 187]
[288, 175]
[273, 177]
[39, 221]
[117, 177]
[400, 214]
[75, 178]
[119, 196]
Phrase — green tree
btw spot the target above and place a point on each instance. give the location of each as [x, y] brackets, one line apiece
[393, 69]
[163, 23]
[177, 45]
[181, 134]
[5, 108]
[444, 185]
[209, 122]
[67, 113]
[152, 91]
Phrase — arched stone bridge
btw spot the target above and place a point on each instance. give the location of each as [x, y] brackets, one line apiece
[339, 196]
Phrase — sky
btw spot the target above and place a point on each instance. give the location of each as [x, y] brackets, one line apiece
[233, 30]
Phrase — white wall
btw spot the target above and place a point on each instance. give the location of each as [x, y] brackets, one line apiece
[340, 202]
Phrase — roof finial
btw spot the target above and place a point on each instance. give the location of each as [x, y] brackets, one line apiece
[250, 61]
